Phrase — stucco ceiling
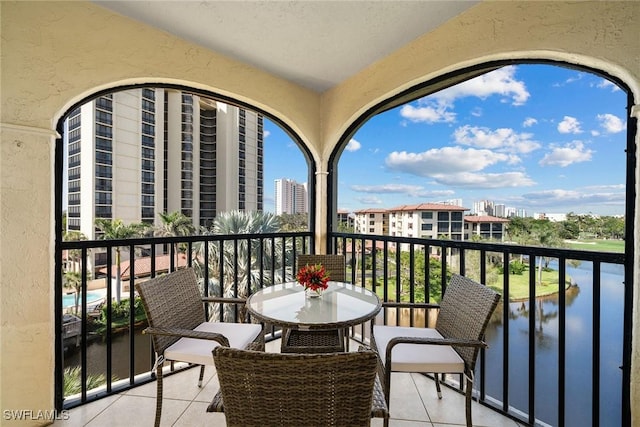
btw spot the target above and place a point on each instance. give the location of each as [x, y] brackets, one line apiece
[317, 44]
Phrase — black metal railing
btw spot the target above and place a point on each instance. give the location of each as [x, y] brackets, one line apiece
[100, 338]
[540, 347]
[533, 361]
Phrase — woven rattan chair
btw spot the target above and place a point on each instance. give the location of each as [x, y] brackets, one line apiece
[179, 330]
[274, 389]
[452, 347]
[320, 341]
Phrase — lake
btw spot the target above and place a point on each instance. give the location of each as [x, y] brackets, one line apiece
[579, 349]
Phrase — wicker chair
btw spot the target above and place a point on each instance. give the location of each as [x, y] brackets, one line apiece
[452, 347]
[179, 330]
[274, 389]
[320, 341]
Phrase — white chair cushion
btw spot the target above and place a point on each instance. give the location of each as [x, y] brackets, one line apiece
[198, 351]
[417, 357]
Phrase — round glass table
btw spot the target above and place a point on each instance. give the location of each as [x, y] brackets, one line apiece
[313, 324]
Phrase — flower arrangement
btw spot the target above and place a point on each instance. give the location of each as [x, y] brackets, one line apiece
[313, 277]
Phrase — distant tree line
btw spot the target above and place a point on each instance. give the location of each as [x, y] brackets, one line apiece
[530, 231]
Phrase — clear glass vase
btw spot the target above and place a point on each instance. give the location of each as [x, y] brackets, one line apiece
[311, 293]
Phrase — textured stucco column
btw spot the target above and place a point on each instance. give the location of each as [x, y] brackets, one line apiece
[321, 212]
[26, 294]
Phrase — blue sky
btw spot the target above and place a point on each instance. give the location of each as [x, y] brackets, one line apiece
[536, 137]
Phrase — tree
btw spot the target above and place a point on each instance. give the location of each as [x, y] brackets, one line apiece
[294, 222]
[116, 229]
[175, 224]
[250, 258]
[73, 280]
[74, 254]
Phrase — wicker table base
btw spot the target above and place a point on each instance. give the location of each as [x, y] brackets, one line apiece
[314, 341]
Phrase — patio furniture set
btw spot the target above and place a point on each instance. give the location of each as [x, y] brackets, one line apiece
[315, 379]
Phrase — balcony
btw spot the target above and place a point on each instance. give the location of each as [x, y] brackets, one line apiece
[185, 404]
[541, 347]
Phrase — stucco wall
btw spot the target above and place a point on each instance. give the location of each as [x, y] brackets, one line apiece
[55, 53]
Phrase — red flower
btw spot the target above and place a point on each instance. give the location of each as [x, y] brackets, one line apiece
[313, 277]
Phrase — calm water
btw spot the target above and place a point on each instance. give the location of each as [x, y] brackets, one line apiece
[97, 356]
[579, 351]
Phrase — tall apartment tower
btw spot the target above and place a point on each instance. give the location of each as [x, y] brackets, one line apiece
[291, 197]
[134, 154]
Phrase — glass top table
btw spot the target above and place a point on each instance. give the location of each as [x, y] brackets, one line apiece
[340, 306]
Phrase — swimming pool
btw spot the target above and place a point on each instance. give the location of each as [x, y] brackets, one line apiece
[69, 300]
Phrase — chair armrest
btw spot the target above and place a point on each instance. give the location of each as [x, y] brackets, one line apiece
[224, 300]
[188, 333]
[227, 300]
[436, 341]
[393, 304]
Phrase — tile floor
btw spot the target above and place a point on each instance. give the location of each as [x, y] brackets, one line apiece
[414, 403]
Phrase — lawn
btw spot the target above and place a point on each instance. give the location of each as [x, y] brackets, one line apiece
[519, 285]
[597, 245]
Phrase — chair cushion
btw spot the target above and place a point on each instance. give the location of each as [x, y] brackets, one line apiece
[415, 357]
[199, 351]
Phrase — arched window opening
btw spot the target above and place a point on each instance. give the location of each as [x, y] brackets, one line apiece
[152, 178]
[454, 174]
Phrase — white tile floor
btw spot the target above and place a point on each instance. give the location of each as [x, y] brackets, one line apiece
[413, 403]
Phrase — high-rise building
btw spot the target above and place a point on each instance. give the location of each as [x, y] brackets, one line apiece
[291, 197]
[134, 154]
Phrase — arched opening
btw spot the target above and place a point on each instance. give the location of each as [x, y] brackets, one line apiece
[161, 160]
[415, 171]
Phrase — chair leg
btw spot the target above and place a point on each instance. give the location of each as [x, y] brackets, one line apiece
[468, 397]
[436, 377]
[158, 394]
[201, 376]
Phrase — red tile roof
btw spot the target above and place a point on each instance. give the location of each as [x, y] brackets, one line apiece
[142, 266]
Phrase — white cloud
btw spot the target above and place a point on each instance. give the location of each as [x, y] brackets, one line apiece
[353, 145]
[485, 180]
[427, 114]
[503, 139]
[388, 188]
[266, 133]
[499, 82]
[607, 84]
[560, 197]
[443, 160]
[569, 125]
[369, 200]
[528, 122]
[611, 123]
[436, 108]
[563, 156]
[410, 190]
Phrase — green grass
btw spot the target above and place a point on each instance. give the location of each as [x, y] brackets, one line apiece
[519, 285]
[597, 245]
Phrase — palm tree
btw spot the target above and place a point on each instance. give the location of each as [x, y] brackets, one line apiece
[222, 255]
[116, 229]
[175, 224]
[74, 254]
[72, 280]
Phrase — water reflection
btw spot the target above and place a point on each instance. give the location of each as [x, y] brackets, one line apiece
[578, 347]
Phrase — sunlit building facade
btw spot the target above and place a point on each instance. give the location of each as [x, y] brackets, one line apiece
[174, 151]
